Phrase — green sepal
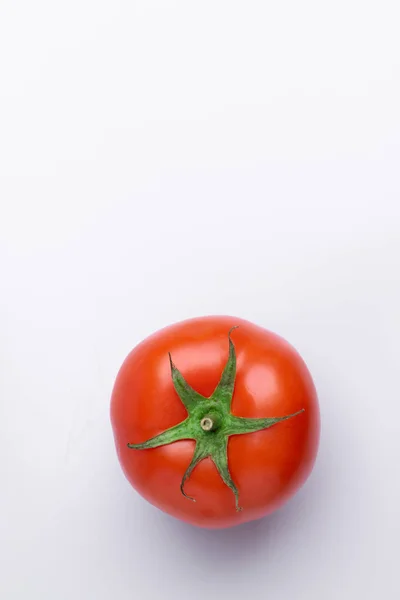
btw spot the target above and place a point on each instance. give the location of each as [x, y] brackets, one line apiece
[220, 459]
[201, 452]
[182, 431]
[241, 425]
[224, 391]
[188, 396]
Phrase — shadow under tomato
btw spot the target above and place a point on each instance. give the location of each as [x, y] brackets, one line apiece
[234, 548]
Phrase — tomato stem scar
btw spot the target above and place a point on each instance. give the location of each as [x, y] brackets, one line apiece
[210, 422]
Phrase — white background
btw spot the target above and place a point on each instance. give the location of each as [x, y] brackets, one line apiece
[166, 159]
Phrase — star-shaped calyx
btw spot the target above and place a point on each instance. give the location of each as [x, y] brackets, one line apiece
[210, 423]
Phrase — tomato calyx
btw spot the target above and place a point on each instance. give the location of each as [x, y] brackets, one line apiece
[210, 423]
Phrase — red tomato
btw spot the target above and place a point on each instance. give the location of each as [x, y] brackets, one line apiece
[215, 420]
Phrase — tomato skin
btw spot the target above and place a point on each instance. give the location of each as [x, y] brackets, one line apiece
[272, 380]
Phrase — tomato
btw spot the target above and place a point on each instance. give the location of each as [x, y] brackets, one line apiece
[215, 421]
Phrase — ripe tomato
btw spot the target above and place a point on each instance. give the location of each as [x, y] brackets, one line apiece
[215, 420]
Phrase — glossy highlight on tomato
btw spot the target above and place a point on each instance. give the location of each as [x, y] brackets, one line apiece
[215, 420]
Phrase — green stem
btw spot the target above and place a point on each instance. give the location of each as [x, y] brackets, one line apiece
[210, 422]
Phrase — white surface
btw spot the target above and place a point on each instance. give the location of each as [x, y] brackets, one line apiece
[161, 160]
